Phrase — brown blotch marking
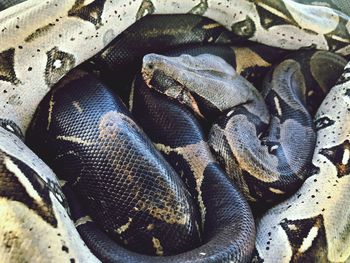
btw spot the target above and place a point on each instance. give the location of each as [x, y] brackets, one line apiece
[7, 71]
[10, 240]
[161, 206]
[145, 8]
[20, 183]
[52, 73]
[274, 13]
[246, 58]
[197, 157]
[200, 8]
[336, 156]
[300, 232]
[39, 33]
[91, 12]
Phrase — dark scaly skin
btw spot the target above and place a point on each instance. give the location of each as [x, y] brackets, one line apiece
[120, 60]
[178, 34]
[178, 135]
[227, 226]
[89, 229]
[203, 6]
[280, 150]
[177, 30]
[255, 151]
[290, 134]
[85, 224]
[316, 67]
[87, 137]
[251, 60]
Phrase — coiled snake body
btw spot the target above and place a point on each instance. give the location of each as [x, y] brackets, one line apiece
[39, 206]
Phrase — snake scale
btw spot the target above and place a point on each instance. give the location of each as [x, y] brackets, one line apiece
[42, 42]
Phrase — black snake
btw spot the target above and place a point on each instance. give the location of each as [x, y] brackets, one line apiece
[59, 62]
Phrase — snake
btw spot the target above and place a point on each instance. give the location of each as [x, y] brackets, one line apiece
[159, 204]
[247, 157]
[285, 24]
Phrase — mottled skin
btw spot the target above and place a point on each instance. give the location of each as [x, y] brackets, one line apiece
[286, 91]
[128, 188]
[91, 142]
[313, 223]
[42, 41]
[255, 149]
[284, 24]
[207, 76]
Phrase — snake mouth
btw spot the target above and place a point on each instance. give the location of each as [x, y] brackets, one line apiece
[160, 82]
[147, 74]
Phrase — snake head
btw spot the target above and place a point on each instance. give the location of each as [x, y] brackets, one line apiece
[205, 83]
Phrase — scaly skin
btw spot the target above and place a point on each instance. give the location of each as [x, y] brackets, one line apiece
[42, 40]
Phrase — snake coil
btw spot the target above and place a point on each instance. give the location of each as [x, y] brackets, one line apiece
[32, 200]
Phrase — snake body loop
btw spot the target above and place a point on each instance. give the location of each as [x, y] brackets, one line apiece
[267, 154]
[43, 40]
[135, 186]
[122, 180]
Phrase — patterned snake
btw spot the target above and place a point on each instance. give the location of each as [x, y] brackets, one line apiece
[48, 37]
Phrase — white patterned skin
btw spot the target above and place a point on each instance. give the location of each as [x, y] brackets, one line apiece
[27, 231]
[42, 40]
[323, 201]
[48, 37]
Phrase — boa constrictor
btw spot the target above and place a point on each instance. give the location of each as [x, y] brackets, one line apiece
[128, 188]
[47, 36]
[268, 166]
